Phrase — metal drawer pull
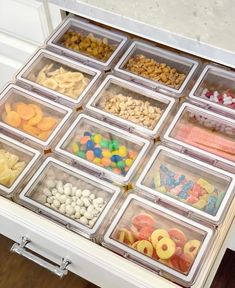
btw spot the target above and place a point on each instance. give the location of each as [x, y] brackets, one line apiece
[20, 249]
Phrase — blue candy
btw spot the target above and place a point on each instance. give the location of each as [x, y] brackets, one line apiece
[170, 182]
[89, 144]
[98, 152]
[167, 171]
[87, 134]
[116, 158]
[211, 205]
[179, 180]
[185, 189]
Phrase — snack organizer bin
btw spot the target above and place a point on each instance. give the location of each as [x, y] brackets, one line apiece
[80, 26]
[17, 153]
[179, 62]
[194, 187]
[107, 151]
[113, 86]
[203, 134]
[58, 78]
[215, 81]
[45, 184]
[31, 116]
[153, 236]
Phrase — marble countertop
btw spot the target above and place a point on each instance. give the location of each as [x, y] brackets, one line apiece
[203, 27]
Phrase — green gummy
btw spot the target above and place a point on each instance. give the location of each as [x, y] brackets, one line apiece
[81, 154]
[157, 180]
[104, 143]
[121, 164]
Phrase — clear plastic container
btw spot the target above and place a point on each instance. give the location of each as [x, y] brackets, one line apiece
[87, 42]
[30, 115]
[159, 239]
[16, 160]
[113, 153]
[215, 88]
[189, 184]
[76, 199]
[57, 77]
[204, 133]
[156, 68]
[135, 108]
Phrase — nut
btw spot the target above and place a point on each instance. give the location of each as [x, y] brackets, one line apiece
[138, 111]
[150, 68]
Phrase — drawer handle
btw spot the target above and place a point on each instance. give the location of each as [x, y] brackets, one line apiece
[21, 249]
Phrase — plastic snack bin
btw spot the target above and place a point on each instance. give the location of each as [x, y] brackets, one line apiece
[194, 187]
[204, 134]
[16, 160]
[70, 196]
[110, 41]
[182, 64]
[31, 116]
[58, 78]
[158, 239]
[107, 151]
[153, 107]
[208, 91]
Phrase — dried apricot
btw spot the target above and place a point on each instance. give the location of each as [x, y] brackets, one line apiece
[31, 129]
[44, 135]
[7, 107]
[47, 123]
[12, 118]
[38, 115]
[25, 111]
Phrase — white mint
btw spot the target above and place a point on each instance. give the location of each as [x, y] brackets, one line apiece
[69, 210]
[46, 192]
[42, 198]
[49, 200]
[56, 203]
[92, 196]
[68, 201]
[80, 202]
[67, 190]
[78, 193]
[83, 210]
[77, 215]
[86, 202]
[63, 198]
[50, 183]
[88, 215]
[90, 208]
[86, 193]
[62, 209]
[77, 208]
[73, 204]
[83, 220]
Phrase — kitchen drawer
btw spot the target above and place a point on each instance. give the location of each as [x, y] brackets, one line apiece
[90, 260]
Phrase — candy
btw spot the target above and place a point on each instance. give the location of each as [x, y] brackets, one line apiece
[224, 97]
[75, 148]
[10, 167]
[165, 248]
[168, 245]
[98, 152]
[89, 155]
[103, 152]
[199, 193]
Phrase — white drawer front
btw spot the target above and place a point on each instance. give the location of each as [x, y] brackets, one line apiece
[25, 19]
[89, 260]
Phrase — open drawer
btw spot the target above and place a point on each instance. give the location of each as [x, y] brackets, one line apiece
[92, 261]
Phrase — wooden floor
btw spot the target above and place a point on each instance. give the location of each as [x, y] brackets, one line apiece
[17, 272]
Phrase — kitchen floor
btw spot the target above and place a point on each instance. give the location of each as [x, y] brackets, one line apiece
[18, 272]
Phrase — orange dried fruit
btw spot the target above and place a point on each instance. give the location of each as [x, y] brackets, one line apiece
[31, 129]
[7, 107]
[25, 111]
[44, 135]
[38, 115]
[12, 118]
[47, 123]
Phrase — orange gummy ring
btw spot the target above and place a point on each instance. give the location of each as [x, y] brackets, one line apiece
[47, 123]
[25, 111]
